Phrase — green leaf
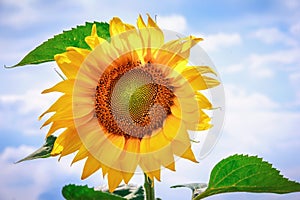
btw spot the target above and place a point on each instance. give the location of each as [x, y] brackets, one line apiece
[43, 152]
[242, 173]
[58, 44]
[196, 188]
[76, 192]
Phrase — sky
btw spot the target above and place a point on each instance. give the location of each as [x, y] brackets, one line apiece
[254, 45]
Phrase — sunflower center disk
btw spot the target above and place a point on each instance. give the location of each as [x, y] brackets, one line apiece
[133, 104]
[132, 97]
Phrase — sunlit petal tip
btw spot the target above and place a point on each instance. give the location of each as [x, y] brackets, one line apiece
[127, 176]
[156, 174]
[57, 149]
[189, 154]
[151, 22]
[94, 30]
[196, 39]
[171, 166]
[90, 167]
[116, 26]
[114, 179]
[140, 22]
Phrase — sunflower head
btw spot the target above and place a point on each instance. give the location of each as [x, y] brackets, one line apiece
[129, 102]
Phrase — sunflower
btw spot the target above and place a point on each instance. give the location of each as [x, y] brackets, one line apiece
[129, 102]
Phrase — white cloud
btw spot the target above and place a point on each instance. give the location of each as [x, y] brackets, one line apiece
[294, 79]
[174, 22]
[218, 41]
[235, 68]
[291, 4]
[255, 123]
[273, 36]
[295, 29]
[30, 179]
[20, 12]
[263, 65]
[20, 112]
[240, 100]
[31, 101]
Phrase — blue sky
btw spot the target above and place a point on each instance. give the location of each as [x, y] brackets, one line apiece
[255, 46]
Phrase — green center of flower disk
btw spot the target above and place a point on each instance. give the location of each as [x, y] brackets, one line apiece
[133, 101]
[133, 95]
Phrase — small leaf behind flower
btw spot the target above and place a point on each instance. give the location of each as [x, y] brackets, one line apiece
[128, 192]
[58, 44]
[78, 192]
[197, 188]
[242, 173]
[131, 192]
[43, 152]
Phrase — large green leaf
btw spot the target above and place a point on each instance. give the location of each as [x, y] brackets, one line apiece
[242, 173]
[43, 152]
[128, 192]
[58, 44]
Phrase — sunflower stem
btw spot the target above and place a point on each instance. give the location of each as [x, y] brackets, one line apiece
[149, 188]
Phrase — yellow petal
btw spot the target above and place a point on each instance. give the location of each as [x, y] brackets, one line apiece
[140, 22]
[90, 167]
[56, 125]
[70, 61]
[147, 162]
[161, 148]
[60, 115]
[200, 123]
[176, 52]
[157, 36]
[171, 127]
[72, 144]
[130, 156]
[61, 141]
[184, 90]
[94, 40]
[114, 145]
[65, 86]
[205, 70]
[129, 27]
[60, 103]
[202, 101]
[203, 83]
[57, 149]
[116, 26]
[127, 176]
[188, 154]
[151, 23]
[171, 166]
[81, 154]
[190, 73]
[154, 174]
[105, 169]
[114, 179]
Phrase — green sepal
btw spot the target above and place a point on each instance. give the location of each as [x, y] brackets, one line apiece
[58, 44]
[43, 152]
